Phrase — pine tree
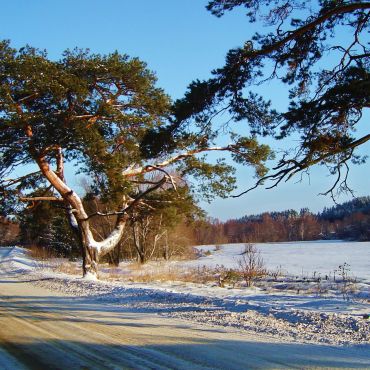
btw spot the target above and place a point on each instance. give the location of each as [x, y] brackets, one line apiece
[105, 114]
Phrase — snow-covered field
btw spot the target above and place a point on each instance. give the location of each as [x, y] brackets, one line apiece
[305, 303]
[298, 258]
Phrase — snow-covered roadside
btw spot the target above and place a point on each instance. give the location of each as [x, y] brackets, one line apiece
[186, 302]
[304, 326]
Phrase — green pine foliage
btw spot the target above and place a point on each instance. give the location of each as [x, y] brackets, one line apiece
[107, 114]
[67, 103]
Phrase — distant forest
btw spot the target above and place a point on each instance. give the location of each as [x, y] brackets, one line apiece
[349, 220]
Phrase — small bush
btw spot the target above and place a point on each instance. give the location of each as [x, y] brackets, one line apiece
[348, 284]
[251, 265]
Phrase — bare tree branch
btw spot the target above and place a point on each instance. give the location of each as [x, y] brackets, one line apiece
[136, 200]
[295, 166]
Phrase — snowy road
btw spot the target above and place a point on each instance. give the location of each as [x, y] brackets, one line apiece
[43, 329]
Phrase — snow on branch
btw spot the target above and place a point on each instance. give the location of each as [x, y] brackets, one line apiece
[130, 172]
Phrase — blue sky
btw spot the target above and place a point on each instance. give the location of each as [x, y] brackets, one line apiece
[180, 41]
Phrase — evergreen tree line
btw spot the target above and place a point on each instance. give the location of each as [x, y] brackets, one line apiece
[349, 221]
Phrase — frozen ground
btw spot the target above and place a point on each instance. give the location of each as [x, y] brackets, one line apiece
[274, 308]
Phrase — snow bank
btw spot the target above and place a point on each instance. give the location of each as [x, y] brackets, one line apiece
[18, 259]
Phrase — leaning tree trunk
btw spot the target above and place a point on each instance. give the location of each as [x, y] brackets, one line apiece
[93, 250]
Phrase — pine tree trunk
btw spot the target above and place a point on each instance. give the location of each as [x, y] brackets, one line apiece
[93, 250]
[90, 263]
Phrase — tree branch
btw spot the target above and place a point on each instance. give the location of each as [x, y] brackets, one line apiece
[36, 199]
[133, 203]
[297, 166]
[348, 8]
[130, 172]
[10, 182]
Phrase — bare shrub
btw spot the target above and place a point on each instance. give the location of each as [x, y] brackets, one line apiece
[251, 265]
[187, 253]
[348, 284]
[276, 274]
